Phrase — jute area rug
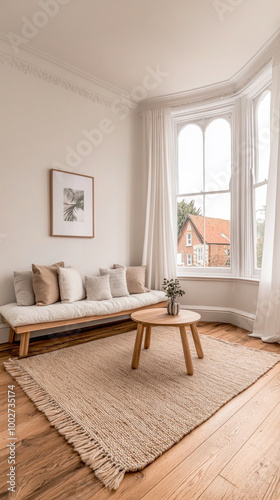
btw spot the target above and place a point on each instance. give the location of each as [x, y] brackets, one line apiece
[119, 419]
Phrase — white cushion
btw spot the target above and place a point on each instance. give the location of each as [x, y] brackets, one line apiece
[117, 279]
[18, 316]
[70, 285]
[98, 287]
[23, 283]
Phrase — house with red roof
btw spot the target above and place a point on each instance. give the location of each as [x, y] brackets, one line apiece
[204, 241]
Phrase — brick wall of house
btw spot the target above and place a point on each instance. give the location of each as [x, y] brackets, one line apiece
[216, 255]
[219, 255]
[182, 244]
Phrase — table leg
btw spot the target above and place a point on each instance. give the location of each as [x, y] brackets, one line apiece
[148, 337]
[186, 349]
[196, 339]
[137, 346]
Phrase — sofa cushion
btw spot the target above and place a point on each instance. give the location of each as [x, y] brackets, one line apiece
[117, 279]
[70, 284]
[23, 283]
[45, 283]
[135, 278]
[18, 316]
[98, 287]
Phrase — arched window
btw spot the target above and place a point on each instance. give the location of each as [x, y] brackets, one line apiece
[204, 197]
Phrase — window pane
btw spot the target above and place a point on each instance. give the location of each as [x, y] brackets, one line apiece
[190, 159]
[188, 205]
[217, 230]
[218, 206]
[263, 138]
[260, 205]
[217, 155]
[190, 231]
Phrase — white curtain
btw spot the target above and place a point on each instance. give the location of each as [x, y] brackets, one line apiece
[267, 323]
[159, 254]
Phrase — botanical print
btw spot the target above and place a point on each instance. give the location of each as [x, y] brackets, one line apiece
[73, 205]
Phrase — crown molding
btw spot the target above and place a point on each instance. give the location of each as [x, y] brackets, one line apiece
[32, 62]
[226, 89]
[41, 65]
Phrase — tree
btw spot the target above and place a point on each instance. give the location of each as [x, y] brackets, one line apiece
[183, 209]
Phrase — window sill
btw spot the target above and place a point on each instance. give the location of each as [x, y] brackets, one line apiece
[196, 277]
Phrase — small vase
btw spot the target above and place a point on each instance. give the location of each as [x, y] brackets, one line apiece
[173, 307]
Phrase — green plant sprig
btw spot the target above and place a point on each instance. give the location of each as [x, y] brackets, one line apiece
[172, 288]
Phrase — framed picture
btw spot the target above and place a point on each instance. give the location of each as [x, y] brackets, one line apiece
[72, 202]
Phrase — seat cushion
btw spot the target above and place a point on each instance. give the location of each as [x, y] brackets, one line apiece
[18, 316]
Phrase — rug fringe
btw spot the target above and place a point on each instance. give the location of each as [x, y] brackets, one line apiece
[107, 471]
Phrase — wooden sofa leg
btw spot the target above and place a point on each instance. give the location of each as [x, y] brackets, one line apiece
[24, 344]
[12, 335]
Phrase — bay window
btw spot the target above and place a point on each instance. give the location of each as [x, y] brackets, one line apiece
[223, 155]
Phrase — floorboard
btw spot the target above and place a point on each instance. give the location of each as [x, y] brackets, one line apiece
[234, 455]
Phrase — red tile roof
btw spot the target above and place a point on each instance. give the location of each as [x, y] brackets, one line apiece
[214, 228]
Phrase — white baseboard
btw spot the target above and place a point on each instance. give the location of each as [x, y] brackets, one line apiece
[236, 317]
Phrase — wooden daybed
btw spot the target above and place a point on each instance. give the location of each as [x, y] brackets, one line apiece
[11, 318]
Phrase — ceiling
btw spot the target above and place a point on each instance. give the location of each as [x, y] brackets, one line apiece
[121, 42]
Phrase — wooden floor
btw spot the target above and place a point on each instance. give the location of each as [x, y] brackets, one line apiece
[234, 455]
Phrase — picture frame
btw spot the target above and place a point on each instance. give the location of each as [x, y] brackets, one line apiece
[72, 205]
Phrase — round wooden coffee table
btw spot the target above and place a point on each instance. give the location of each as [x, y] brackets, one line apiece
[159, 317]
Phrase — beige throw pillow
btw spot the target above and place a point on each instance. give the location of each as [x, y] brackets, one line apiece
[98, 287]
[117, 279]
[23, 283]
[70, 284]
[135, 278]
[45, 283]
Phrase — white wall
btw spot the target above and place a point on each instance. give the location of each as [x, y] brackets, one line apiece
[38, 121]
[223, 300]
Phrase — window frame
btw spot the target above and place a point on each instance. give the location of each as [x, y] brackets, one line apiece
[203, 118]
[181, 259]
[188, 243]
[199, 250]
[256, 100]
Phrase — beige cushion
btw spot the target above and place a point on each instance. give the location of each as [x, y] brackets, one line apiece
[23, 283]
[98, 287]
[135, 278]
[117, 279]
[45, 283]
[70, 284]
